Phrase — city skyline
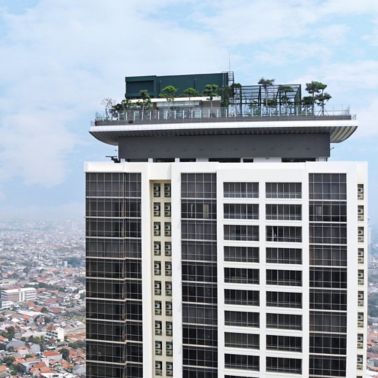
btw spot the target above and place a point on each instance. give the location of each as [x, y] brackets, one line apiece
[54, 82]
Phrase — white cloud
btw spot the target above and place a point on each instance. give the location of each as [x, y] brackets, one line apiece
[63, 57]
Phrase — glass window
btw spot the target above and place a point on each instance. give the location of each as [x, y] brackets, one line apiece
[241, 211]
[283, 190]
[236, 232]
[283, 212]
[241, 189]
[284, 255]
[241, 254]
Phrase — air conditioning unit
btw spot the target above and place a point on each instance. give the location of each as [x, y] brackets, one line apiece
[157, 248]
[167, 210]
[156, 209]
[360, 191]
[168, 249]
[156, 190]
[167, 190]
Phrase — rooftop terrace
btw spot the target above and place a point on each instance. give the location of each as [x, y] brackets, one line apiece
[220, 114]
[210, 115]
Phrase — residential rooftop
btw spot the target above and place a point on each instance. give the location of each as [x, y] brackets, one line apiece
[220, 116]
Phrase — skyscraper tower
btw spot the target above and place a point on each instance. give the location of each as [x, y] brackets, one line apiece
[221, 242]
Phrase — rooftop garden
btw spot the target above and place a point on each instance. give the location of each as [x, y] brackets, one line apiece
[266, 98]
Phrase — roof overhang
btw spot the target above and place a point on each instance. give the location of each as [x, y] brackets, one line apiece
[338, 130]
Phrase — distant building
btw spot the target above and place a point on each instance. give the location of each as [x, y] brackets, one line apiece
[56, 333]
[9, 297]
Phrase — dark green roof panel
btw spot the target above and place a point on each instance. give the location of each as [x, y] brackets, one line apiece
[155, 84]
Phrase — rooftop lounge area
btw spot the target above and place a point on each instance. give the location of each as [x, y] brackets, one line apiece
[216, 98]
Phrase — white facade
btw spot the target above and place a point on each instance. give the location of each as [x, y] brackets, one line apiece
[355, 269]
[10, 297]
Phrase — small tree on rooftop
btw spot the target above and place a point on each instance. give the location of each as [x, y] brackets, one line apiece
[283, 90]
[108, 103]
[169, 92]
[211, 90]
[266, 83]
[315, 88]
[145, 100]
[191, 92]
[321, 100]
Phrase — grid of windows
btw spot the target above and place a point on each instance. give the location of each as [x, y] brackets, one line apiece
[241, 254]
[334, 322]
[284, 277]
[284, 321]
[283, 299]
[328, 366]
[328, 233]
[199, 335]
[238, 232]
[329, 255]
[284, 365]
[242, 319]
[283, 212]
[116, 248]
[200, 356]
[113, 229]
[242, 297]
[287, 343]
[241, 211]
[194, 313]
[326, 186]
[124, 185]
[241, 275]
[199, 271]
[199, 250]
[198, 209]
[198, 185]
[199, 292]
[242, 340]
[241, 189]
[328, 300]
[199, 274]
[328, 277]
[283, 190]
[198, 229]
[284, 234]
[327, 343]
[195, 372]
[284, 255]
[329, 211]
[243, 362]
[113, 207]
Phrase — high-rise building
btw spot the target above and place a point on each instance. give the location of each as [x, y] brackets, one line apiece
[221, 242]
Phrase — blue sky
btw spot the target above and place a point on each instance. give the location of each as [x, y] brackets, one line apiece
[60, 58]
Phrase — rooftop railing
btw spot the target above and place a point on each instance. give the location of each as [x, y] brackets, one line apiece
[216, 115]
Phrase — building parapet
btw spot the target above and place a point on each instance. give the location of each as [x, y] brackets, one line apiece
[214, 115]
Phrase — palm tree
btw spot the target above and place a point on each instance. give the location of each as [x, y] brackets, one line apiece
[211, 90]
[266, 83]
[284, 99]
[145, 102]
[169, 93]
